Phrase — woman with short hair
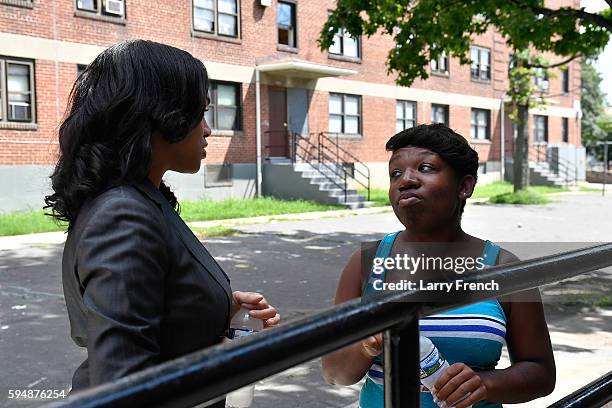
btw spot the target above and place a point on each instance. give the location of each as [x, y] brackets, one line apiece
[432, 172]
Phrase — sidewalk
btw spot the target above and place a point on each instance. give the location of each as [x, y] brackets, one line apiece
[58, 237]
[46, 238]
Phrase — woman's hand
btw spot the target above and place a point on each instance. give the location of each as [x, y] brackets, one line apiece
[258, 306]
[373, 345]
[459, 382]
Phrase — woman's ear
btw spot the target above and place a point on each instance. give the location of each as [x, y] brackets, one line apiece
[466, 186]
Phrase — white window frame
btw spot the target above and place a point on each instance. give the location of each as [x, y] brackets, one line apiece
[542, 82]
[343, 113]
[215, 31]
[544, 118]
[214, 105]
[100, 9]
[4, 102]
[442, 57]
[475, 126]
[446, 113]
[341, 35]
[476, 69]
[405, 105]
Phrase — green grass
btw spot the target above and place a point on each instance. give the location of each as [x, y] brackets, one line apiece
[206, 210]
[590, 189]
[28, 222]
[379, 196]
[211, 232]
[528, 197]
[503, 187]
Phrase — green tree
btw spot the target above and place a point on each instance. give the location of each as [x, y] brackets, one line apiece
[592, 103]
[423, 29]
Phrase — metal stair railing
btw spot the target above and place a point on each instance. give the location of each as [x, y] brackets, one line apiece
[335, 150]
[305, 154]
[565, 170]
[205, 376]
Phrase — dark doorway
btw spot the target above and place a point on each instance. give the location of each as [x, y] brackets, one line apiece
[278, 140]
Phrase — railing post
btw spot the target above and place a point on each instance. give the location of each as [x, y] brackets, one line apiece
[345, 186]
[402, 358]
[319, 137]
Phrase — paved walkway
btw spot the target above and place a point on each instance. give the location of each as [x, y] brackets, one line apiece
[296, 265]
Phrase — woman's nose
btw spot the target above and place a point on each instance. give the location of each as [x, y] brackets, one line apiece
[409, 179]
[207, 130]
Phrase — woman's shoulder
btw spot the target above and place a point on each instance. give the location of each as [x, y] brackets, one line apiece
[118, 202]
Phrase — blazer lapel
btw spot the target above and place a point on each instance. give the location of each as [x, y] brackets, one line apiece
[191, 242]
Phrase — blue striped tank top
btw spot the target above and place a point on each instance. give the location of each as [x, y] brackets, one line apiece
[472, 334]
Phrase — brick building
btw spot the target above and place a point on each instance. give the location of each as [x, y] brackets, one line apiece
[256, 51]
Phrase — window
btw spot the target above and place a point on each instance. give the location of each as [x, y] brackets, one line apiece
[216, 17]
[224, 109]
[345, 114]
[480, 124]
[541, 79]
[218, 175]
[114, 8]
[565, 80]
[80, 69]
[439, 114]
[345, 44]
[540, 128]
[481, 63]
[286, 22]
[405, 115]
[16, 91]
[440, 65]
[565, 130]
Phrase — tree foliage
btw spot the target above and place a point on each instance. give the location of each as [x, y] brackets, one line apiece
[422, 29]
[592, 104]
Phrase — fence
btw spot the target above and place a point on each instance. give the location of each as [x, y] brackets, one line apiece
[207, 375]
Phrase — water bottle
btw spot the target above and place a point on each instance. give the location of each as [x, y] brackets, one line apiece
[242, 325]
[433, 364]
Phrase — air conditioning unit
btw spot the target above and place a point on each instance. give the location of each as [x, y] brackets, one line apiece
[115, 7]
[19, 111]
[265, 3]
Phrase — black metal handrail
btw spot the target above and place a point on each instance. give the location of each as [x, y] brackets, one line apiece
[323, 139]
[208, 374]
[285, 147]
[307, 157]
[593, 395]
[564, 167]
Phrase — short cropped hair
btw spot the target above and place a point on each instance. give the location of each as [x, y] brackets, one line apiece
[442, 140]
[445, 142]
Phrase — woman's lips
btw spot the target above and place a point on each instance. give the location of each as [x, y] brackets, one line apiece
[409, 201]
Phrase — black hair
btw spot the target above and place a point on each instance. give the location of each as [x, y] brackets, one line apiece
[130, 90]
[445, 142]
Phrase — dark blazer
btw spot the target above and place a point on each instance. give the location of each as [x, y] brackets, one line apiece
[140, 288]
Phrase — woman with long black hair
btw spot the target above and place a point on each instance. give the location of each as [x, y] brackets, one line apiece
[140, 288]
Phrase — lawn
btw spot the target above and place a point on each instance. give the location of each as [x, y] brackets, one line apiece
[27, 222]
[380, 196]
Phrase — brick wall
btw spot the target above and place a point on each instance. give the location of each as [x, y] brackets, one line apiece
[170, 22]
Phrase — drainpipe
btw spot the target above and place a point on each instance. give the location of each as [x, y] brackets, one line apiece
[258, 176]
[502, 153]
